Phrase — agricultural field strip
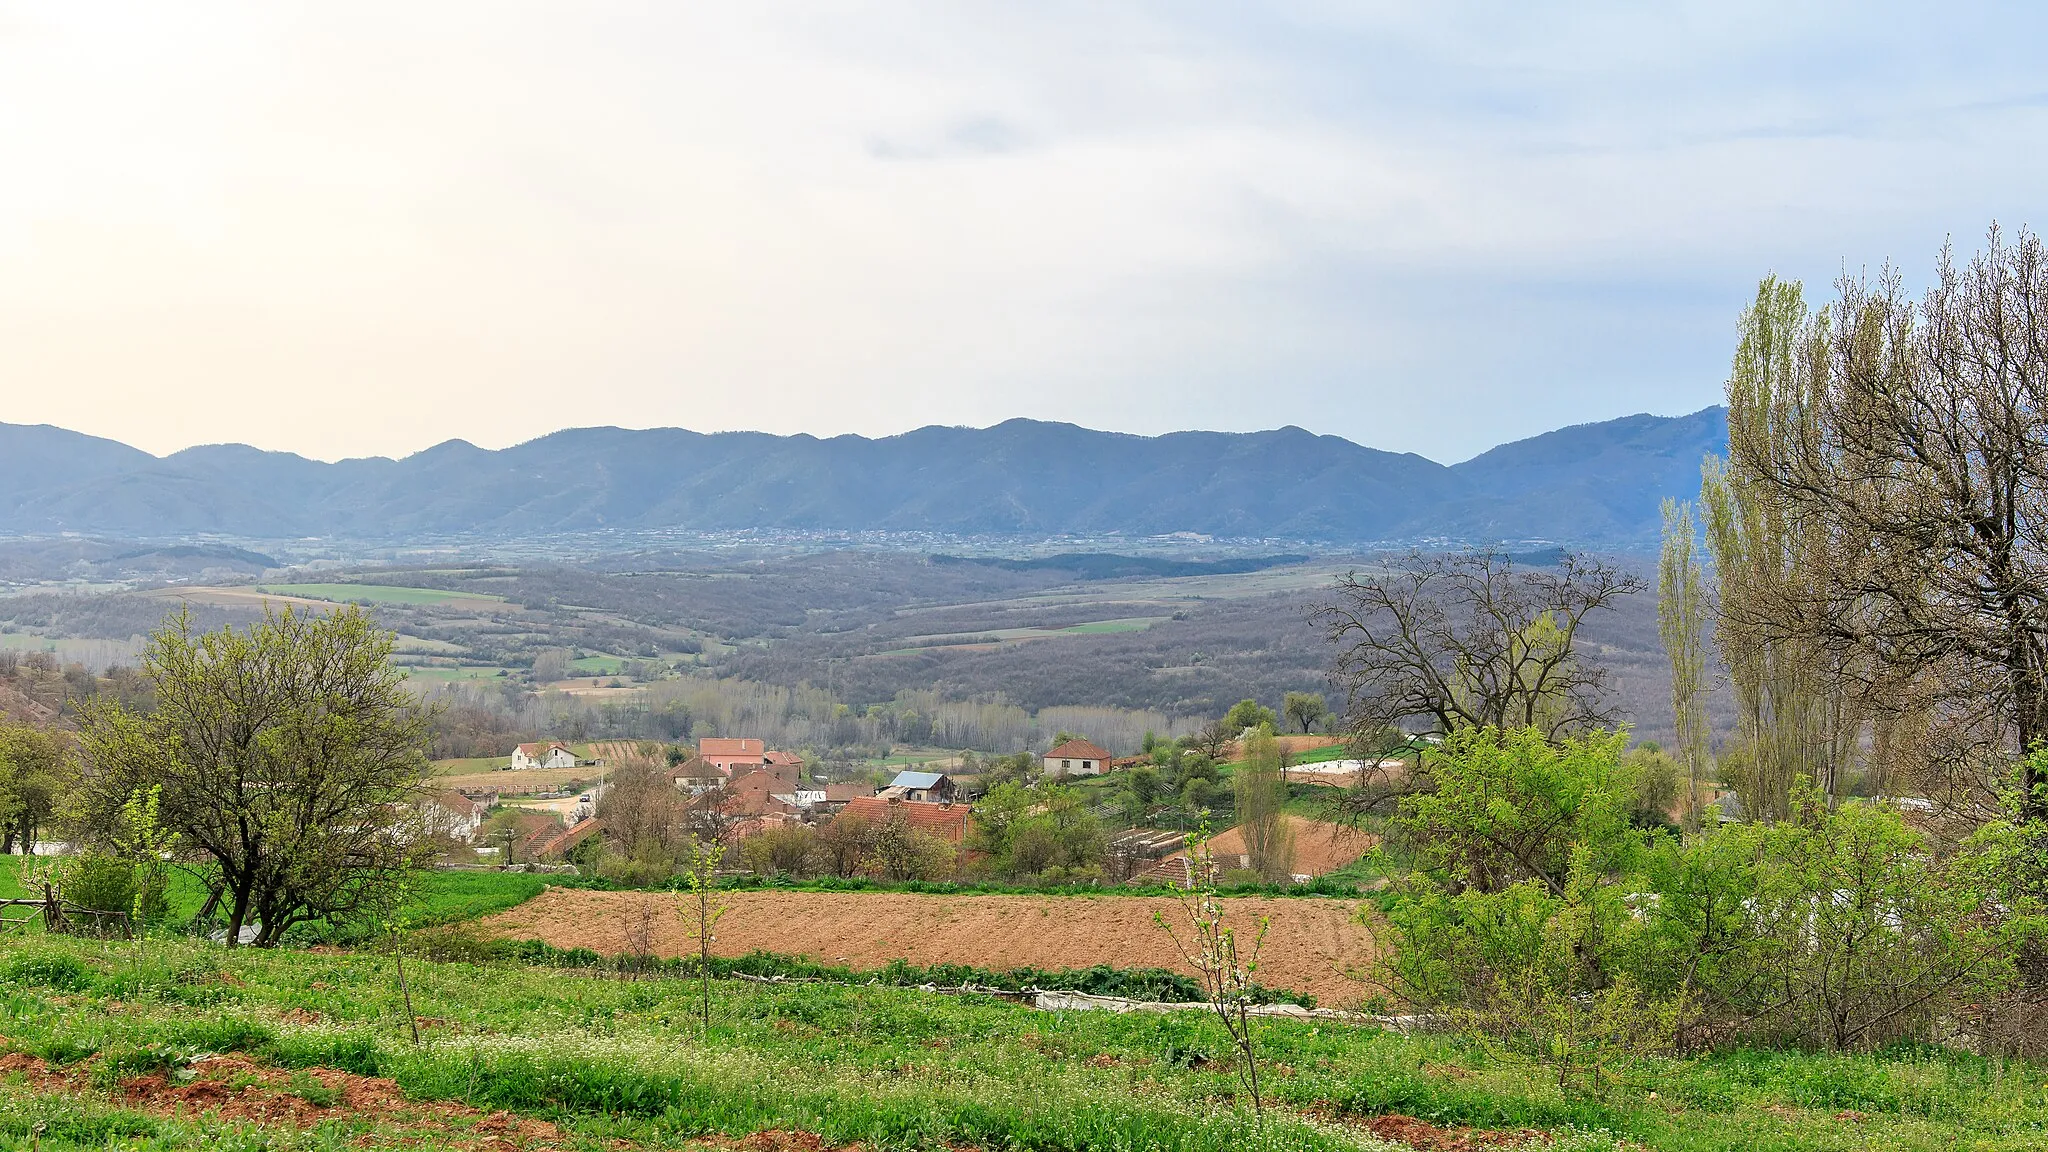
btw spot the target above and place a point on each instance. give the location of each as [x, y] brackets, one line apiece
[381, 594]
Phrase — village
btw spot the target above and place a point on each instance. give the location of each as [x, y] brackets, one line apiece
[593, 807]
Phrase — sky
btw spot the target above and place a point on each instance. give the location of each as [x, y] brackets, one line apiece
[362, 229]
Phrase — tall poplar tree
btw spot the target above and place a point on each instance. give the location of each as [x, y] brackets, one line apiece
[1682, 622]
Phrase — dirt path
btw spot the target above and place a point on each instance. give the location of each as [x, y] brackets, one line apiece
[1310, 945]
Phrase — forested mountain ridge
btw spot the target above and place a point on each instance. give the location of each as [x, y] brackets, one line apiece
[1593, 484]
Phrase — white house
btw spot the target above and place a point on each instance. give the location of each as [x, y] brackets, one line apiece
[1077, 757]
[553, 754]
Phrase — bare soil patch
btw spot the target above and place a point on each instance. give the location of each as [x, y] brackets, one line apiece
[1310, 945]
[233, 1087]
[1320, 847]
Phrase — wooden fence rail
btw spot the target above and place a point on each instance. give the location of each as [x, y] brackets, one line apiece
[64, 917]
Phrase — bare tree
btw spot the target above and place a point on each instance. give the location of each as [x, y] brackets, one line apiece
[1473, 641]
[1915, 448]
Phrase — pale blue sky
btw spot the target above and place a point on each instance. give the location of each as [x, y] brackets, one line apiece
[362, 228]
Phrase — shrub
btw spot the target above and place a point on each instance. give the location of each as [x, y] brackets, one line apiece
[100, 882]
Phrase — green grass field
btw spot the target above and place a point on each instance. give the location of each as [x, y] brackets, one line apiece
[616, 1063]
[375, 593]
[436, 897]
[441, 675]
[599, 665]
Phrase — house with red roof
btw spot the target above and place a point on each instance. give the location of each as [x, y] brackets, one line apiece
[949, 822]
[1076, 757]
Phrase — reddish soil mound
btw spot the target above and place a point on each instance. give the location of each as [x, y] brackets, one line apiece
[1310, 945]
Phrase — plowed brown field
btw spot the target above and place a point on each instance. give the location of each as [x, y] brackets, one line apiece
[1310, 947]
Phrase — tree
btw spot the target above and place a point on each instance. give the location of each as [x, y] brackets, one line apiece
[1915, 442]
[35, 776]
[786, 850]
[996, 817]
[1467, 642]
[1763, 556]
[1246, 715]
[290, 757]
[702, 913]
[1305, 709]
[1682, 625]
[1261, 793]
[845, 843]
[1471, 642]
[900, 851]
[1227, 969]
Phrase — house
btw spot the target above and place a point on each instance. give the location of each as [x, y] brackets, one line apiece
[787, 766]
[949, 822]
[734, 754]
[697, 775]
[935, 786]
[552, 754]
[753, 802]
[838, 796]
[451, 814]
[1076, 757]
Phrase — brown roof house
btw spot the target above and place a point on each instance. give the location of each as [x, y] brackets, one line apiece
[1077, 757]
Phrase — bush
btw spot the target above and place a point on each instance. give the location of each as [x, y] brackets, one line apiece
[100, 882]
[1540, 913]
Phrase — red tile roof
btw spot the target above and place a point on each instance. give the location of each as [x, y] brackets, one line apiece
[1077, 749]
[570, 837]
[946, 821]
[730, 747]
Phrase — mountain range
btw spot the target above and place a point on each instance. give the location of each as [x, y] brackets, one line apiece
[1591, 484]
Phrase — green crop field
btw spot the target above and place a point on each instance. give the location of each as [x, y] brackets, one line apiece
[115, 1044]
[435, 898]
[375, 593]
[599, 665]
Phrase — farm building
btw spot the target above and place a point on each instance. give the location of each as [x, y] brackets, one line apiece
[1076, 757]
[948, 822]
[552, 754]
[935, 786]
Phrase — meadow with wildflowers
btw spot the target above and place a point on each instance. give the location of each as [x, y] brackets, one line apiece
[175, 1044]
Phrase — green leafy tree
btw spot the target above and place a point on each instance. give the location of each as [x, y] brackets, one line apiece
[1260, 788]
[289, 757]
[996, 818]
[1248, 714]
[1682, 625]
[36, 776]
[1305, 710]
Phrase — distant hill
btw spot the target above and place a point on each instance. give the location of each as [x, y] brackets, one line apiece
[1593, 484]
